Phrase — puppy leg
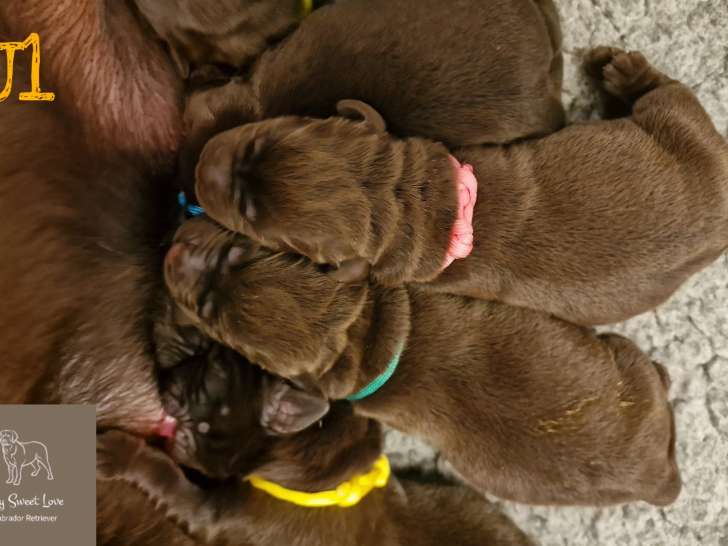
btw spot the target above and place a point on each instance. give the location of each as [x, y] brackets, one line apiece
[36, 468]
[594, 63]
[643, 399]
[627, 76]
[122, 456]
[670, 112]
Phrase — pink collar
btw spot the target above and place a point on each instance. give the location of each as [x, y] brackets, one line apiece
[461, 238]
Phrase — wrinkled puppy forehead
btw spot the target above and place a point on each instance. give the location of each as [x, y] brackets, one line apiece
[202, 231]
[202, 238]
[293, 133]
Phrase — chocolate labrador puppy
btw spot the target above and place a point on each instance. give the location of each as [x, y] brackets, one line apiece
[524, 405]
[81, 239]
[594, 224]
[461, 72]
[219, 401]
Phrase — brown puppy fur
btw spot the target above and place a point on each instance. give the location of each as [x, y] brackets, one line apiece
[81, 242]
[461, 72]
[315, 459]
[80, 237]
[80, 273]
[227, 32]
[525, 406]
[108, 72]
[111, 74]
[126, 517]
[594, 224]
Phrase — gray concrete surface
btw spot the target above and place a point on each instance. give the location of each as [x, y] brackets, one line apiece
[688, 39]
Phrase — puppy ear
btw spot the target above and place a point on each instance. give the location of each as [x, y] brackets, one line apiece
[360, 111]
[287, 410]
[351, 271]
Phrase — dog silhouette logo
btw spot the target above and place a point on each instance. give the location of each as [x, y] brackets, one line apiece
[19, 454]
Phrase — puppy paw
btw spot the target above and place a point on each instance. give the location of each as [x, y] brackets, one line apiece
[598, 58]
[115, 451]
[625, 75]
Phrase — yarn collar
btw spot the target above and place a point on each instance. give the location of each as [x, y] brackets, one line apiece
[306, 7]
[189, 209]
[347, 494]
[379, 381]
[461, 237]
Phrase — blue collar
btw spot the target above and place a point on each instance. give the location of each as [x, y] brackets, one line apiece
[378, 381]
[190, 210]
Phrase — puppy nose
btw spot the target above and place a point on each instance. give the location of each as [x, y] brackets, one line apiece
[183, 266]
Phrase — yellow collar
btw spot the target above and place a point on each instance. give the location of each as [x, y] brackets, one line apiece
[307, 7]
[345, 495]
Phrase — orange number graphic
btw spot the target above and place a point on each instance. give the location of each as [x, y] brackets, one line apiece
[35, 94]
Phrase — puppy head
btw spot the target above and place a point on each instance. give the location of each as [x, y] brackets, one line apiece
[284, 181]
[226, 32]
[234, 419]
[277, 309]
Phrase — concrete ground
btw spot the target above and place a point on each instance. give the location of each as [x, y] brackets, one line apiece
[688, 39]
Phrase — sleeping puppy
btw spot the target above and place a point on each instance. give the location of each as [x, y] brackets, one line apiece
[523, 405]
[594, 224]
[219, 401]
[461, 72]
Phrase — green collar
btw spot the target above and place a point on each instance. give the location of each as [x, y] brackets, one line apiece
[378, 381]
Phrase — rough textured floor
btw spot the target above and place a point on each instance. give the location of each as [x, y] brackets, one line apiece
[688, 39]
